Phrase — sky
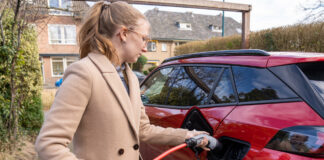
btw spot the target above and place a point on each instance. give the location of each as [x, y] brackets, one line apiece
[265, 13]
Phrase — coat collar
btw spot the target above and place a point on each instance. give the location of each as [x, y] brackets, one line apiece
[113, 80]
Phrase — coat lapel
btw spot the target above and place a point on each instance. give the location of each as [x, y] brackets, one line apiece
[113, 80]
[134, 92]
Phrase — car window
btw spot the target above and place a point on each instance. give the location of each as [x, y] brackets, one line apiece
[224, 92]
[256, 84]
[315, 73]
[156, 87]
[191, 85]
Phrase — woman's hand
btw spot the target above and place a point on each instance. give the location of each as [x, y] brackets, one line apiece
[203, 143]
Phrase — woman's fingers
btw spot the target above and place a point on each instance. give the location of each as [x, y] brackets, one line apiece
[204, 143]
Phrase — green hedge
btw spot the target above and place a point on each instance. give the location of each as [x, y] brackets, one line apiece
[299, 37]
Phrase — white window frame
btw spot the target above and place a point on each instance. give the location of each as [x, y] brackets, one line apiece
[59, 12]
[164, 47]
[153, 47]
[64, 64]
[215, 28]
[63, 38]
[185, 26]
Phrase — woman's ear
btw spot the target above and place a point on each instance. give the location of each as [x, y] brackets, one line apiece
[123, 34]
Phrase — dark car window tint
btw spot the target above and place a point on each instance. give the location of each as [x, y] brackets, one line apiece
[315, 73]
[155, 89]
[191, 86]
[255, 84]
[224, 92]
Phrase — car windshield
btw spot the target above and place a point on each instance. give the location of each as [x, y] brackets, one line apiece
[315, 73]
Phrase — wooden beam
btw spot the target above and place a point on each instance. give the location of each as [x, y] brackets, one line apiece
[200, 4]
[245, 30]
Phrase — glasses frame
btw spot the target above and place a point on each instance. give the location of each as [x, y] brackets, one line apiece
[144, 38]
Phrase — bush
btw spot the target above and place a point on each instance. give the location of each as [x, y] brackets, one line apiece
[141, 61]
[31, 117]
[299, 37]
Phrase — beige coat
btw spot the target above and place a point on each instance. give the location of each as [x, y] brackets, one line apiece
[93, 108]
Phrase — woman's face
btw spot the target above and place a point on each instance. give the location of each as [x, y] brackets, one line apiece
[136, 41]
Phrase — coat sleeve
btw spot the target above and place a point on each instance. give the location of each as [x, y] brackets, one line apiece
[65, 114]
[158, 135]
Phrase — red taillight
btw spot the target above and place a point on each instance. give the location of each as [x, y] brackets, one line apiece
[301, 140]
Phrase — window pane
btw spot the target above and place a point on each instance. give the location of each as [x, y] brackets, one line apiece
[255, 84]
[54, 3]
[224, 92]
[70, 60]
[155, 89]
[57, 68]
[187, 89]
[151, 46]
[69, 33]
[66, 4]
[57, 59]
[315, 73]
[164, 47]
[55, 34]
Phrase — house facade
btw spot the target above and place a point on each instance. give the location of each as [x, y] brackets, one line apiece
[169, 29]
[56, 38]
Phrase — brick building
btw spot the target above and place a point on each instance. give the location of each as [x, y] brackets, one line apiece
[56, 39]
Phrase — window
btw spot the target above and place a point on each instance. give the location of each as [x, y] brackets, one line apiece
[224, 92]
[62, 4]
[184, 26]
[215, 28]
[191, 86]
[314, 71]
[155, 89]
[151, 46]
[164, 47]
[59, 64]
[188, 86]
[256, 84]
[62, 34]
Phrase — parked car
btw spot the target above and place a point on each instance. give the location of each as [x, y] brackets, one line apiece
[259, 105]
[139, 75]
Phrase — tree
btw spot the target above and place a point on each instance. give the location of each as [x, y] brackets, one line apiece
[20, 72]
[314, 10]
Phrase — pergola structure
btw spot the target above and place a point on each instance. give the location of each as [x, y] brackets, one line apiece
[245, 9]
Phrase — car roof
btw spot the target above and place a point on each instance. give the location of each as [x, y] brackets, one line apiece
[246, 57]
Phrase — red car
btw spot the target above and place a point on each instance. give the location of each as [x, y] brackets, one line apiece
[260, 105]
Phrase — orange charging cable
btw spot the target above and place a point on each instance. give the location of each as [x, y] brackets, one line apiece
[183, 145]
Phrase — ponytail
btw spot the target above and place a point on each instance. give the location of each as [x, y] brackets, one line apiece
[100, 24]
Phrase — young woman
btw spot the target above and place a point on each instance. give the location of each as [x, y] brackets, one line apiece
[98, 104]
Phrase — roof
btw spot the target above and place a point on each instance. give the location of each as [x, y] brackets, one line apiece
[164, 25]
[247, 57]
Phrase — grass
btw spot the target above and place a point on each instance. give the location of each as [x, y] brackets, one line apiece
[48, 98]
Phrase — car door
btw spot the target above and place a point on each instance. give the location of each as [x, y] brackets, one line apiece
[187, 96]
[265, 105]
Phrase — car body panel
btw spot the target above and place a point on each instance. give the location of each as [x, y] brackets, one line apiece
[257, 124]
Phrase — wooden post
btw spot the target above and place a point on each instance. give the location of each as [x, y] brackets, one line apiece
[245, 30]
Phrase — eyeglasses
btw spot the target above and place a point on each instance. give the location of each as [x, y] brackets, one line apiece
[145, 39]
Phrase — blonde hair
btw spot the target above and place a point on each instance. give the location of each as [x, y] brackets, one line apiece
[101, 23]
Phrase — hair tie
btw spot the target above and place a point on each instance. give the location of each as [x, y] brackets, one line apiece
[105, 5]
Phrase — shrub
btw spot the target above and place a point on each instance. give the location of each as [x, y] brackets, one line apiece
[299, 37]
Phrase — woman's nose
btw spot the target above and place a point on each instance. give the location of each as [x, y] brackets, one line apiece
[144, 49]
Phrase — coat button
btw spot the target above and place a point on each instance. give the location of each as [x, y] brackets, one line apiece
[136, 147]
[121, 151]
